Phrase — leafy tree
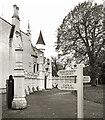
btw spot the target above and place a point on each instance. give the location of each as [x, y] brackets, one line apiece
[81, 34]
[56, 66]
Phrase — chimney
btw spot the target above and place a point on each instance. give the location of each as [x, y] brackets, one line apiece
[15, 17]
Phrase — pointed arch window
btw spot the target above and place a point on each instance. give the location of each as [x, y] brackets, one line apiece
[34, 68]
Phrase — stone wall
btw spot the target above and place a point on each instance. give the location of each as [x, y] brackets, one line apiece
[27, 52]
[31, 83]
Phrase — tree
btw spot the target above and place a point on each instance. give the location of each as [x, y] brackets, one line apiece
[81, 34]
[102, 76]
[56, 66]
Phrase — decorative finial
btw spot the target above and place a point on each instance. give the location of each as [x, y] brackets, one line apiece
[28, 25]
[28, 31]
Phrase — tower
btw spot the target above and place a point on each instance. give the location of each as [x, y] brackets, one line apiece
[41, 46]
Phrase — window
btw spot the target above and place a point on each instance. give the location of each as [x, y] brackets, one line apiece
[34, 68]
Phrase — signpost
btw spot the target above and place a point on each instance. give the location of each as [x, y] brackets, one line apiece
[75, 82]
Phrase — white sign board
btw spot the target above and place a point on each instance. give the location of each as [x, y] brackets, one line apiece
[69, 79]
[67, 86]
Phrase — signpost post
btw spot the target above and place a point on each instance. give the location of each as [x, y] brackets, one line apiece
[80, 91]
[75, 82]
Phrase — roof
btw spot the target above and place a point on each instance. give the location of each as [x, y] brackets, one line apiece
[5, 21]
[40, 39]
[12, 28]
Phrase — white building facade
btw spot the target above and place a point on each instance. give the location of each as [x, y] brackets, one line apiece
[32, 59]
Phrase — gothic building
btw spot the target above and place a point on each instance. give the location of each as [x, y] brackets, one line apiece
[36, 66]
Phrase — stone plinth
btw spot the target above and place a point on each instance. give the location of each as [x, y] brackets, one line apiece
[19, 101]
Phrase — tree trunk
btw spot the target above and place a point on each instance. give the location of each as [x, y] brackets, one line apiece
[93, 75]
[92, 61]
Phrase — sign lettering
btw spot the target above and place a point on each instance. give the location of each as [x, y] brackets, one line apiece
[71, 72]
[67, 86]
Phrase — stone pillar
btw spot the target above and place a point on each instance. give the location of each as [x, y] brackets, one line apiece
[30, 75]
[49, 78]
[19, 100]
[47, 72]
[41, 79]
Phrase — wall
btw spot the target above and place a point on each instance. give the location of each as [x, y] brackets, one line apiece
[27, 51]
[4, 52]
[31, 55]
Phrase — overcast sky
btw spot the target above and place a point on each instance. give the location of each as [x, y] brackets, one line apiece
[44, 15]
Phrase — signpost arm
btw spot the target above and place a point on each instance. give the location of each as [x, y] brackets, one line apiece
[80, 91]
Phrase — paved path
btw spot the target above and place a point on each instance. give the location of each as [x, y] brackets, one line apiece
[53, 104]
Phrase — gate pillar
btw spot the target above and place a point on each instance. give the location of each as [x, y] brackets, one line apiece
[49, 78]
[19, 100]
[41, 77]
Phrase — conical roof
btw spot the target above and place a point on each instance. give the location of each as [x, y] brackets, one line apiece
[40, 39]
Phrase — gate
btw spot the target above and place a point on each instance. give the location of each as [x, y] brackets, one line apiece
[9, 91]
[45, 83]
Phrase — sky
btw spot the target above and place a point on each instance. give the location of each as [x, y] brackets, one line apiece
[44, 15]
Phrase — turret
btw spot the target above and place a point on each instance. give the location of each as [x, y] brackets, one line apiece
[40, 42]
